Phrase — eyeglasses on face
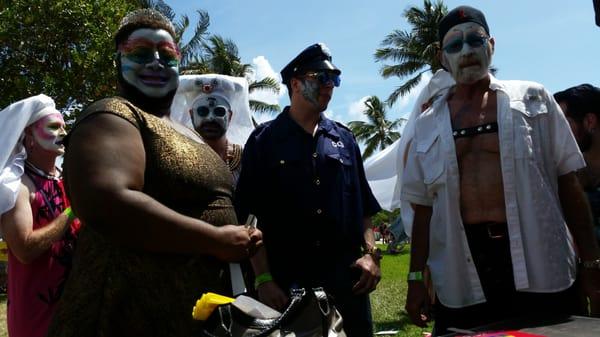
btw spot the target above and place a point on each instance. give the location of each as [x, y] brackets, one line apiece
[456, 45]
[204, 111]
[324, 77]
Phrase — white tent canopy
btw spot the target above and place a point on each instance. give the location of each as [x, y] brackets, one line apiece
[384, 170]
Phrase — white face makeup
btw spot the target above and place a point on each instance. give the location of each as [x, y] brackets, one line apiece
[49, 132]
[150, 61]
[470, 64]
[211, 116]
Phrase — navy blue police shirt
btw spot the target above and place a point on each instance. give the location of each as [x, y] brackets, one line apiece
[309, 194]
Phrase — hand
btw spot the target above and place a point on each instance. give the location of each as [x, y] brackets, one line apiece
[235, 243]
[417, 303]
[270, 294]
[590, 282]
[369, 277]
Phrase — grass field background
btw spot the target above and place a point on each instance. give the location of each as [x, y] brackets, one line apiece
[387, 301]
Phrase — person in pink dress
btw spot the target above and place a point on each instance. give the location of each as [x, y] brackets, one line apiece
[39, 228]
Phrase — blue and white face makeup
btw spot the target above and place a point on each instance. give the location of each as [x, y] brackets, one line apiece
[210, 116]
[467, 52]
[150, 61]
[317, 87]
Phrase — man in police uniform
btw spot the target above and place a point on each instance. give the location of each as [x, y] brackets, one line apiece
[302, 176]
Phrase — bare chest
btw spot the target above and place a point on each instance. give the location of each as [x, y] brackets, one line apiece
[475, 128]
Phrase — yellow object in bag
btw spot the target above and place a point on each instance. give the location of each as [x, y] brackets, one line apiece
[207, 304]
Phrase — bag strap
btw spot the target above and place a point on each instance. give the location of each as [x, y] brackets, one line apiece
[298, 295]
[324, 307]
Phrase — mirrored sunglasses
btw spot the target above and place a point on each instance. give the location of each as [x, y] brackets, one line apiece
[474, 41]
[147, 55]
[324, 77]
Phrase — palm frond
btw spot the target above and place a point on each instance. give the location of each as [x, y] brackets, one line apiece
[262, 107]
[267, 83]
[404, 89]
[412, 50]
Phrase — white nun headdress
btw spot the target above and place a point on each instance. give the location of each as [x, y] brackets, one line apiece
[13, 121]
[234, 89]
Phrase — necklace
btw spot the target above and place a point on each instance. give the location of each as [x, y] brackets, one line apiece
[38, 171]
[234, 156]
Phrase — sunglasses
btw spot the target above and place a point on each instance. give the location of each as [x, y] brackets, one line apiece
[324, 77]
[147, 55]
[474, 41]
[204, 111]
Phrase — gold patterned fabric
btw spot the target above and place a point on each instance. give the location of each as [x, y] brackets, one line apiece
[113, 291]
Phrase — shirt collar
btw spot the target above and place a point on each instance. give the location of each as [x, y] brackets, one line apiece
[285, 125]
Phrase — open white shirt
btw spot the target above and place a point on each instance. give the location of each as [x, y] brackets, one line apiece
[536, 147]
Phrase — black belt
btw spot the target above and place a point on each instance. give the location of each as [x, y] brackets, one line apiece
[493, 230]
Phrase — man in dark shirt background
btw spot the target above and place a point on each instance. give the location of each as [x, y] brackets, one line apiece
[303, 177]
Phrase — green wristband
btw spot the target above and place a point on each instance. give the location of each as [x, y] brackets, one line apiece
[415, 276]
[69, 213]
[262, 278]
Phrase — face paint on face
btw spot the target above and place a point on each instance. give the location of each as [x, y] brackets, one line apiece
[311, 91]
[210, 116]
[472, 62]
[150, 61]
[49, 132]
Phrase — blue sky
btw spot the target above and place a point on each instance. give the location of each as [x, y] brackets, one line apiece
[554, 42]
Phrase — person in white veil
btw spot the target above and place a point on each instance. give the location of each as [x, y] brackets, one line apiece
[13, 121]
[217, 107]
[36, 219]
[384, 170]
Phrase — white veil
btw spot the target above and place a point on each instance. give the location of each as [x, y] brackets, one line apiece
[235, 89]
[13, 121]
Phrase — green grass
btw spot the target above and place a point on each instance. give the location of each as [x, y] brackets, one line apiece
[387, 301]
[3, 330]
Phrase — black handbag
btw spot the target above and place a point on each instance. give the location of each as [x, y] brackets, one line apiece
[310, 313]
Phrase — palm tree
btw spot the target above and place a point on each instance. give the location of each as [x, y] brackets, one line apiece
[213, 54]
[378, 132]
[221, 56]
[415, 51]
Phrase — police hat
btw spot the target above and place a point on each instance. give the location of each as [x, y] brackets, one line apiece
[315, 57]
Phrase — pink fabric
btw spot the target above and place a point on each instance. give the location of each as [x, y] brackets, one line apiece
[34, 289]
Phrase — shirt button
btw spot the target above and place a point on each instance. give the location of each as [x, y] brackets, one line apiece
[315, 155]
[469, 259]
[317, 182]
[319, 211]
[317, 243]
[282, 162]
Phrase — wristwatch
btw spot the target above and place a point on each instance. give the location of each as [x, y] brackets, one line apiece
[594, 264]
[375, 253]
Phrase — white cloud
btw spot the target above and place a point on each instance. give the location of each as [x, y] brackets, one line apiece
[355, 110]
[262, 69]
[335, 116]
